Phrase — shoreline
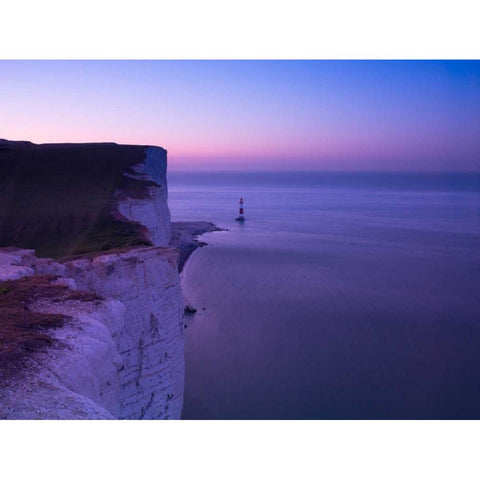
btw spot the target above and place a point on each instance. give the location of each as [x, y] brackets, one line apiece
[185, 238]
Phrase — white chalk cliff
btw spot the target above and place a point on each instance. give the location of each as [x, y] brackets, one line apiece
[151, 211]
[119, 356]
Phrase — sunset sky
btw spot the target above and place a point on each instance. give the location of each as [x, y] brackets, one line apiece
[264, 115]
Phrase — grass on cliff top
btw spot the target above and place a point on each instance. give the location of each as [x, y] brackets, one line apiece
[59, 198]
[23, 331]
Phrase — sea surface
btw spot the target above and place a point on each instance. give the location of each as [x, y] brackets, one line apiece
[342, 295]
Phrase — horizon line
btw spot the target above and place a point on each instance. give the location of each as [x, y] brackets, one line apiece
[321, 171]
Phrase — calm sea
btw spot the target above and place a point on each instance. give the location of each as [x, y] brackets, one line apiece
[342, 296]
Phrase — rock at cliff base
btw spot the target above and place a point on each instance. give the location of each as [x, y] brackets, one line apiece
[189, 310]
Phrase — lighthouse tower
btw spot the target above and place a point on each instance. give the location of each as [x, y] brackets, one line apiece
[240, 217]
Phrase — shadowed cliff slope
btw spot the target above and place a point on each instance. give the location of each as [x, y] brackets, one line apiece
[61, 199]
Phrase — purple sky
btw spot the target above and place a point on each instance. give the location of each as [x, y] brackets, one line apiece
[268, 115]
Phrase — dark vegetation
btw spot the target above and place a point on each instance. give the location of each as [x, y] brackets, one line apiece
[59, 198]
[23, 331]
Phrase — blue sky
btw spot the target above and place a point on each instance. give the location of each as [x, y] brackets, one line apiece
[322, 115]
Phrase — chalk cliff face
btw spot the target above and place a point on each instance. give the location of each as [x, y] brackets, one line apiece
[120, 355]
[152, 210]
[150, 342]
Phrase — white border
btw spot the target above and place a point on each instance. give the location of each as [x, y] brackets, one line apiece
[151, 29]
[249, 29]
[239, 450]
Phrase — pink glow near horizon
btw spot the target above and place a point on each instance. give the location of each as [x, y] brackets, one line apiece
[255, 115]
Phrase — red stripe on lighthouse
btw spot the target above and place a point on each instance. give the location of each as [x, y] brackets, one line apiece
[240, 217]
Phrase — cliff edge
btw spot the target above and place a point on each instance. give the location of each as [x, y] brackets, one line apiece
[91, 308]
[70, 199]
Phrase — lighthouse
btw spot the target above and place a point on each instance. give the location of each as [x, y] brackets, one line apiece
[240, 217]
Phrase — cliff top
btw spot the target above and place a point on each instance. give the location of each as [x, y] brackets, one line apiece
[24, 331]
[59, 199]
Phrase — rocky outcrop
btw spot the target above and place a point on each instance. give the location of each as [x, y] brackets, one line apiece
[184, 238]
